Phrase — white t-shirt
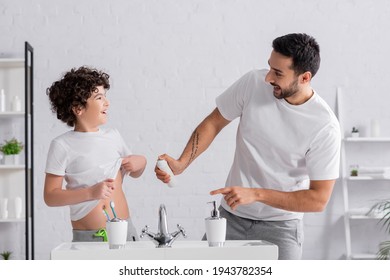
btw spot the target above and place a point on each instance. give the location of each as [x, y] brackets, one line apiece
[84, 159]
[278, 145]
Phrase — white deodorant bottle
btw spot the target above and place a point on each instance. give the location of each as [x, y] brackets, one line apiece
[163, 165]
[215, 228]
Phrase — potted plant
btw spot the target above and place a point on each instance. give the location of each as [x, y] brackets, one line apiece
[6, 255]
[355, 132]
[11, 149]
[354, 172]
[383, 208]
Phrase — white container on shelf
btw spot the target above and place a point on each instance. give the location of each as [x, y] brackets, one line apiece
[3, 208]
[18, 207]
[375, 128]
[2, 101]
[16, 104]
[355, 134]
[11, 159]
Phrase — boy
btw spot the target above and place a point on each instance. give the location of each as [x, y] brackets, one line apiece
[93, 161]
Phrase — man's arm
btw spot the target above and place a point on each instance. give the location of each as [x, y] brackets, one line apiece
[199, 141]
[314, 199]
[202, 137]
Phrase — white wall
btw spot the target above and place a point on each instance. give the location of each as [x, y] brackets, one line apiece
[168, 60]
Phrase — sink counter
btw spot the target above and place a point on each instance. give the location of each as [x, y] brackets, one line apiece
[183, 250]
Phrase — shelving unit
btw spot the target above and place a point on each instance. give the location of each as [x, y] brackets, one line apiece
[367, 139]
[349, 185]
[16, 78]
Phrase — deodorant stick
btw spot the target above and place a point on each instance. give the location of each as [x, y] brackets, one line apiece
[163, 165]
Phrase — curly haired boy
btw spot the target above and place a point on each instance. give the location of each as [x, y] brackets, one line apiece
[92, 161]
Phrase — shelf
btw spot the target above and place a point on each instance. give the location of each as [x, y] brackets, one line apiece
[363, 256]
[17, 75]
[12, 220]
[370, 186]
[11, 62]
[12, 167]
[364, 214]
[366, 178]
[367, 139]
[10, 114]
[363, 217]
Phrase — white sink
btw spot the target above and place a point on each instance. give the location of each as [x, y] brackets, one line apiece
[183, 250]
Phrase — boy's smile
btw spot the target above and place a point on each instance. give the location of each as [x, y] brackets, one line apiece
[94, 114]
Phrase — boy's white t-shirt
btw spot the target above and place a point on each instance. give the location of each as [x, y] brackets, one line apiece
[84, 159]
[278, 145]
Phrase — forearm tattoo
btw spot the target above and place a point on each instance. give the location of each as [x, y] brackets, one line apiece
[194, 146]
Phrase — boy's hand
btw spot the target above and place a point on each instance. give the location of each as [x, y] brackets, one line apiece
[134, 165]
[103, 190]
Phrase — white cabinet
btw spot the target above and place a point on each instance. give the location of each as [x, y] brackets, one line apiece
[16, 180]
[363, 231]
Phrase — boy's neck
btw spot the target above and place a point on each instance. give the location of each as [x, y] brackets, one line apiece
[81, 128]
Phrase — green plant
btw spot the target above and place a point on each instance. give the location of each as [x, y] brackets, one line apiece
[383, 207]
[354, 172]
[355, 130]
[6, 255]
[11, 147]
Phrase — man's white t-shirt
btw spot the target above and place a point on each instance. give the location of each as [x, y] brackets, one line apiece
[84, 159]
[278, 145]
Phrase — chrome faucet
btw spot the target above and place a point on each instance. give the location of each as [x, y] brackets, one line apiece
[163, 238]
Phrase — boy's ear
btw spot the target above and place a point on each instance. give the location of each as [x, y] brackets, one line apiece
[77, 110]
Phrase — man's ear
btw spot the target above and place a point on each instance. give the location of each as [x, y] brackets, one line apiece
[306, 77]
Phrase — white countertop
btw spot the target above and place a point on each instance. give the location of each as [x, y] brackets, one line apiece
[183, 250]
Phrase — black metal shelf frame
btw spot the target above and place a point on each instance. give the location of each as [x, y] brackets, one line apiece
[29, 148]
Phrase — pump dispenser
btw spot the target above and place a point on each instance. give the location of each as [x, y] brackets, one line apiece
[215, 228]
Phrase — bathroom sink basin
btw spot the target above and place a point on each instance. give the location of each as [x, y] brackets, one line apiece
[183, 250]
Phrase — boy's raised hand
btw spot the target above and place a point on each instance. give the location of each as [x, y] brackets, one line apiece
[134, 165]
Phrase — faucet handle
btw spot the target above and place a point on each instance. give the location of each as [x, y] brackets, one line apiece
[144, 231]
[181, 229]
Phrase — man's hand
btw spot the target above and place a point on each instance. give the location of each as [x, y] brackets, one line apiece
[235, 196]
[176, 167]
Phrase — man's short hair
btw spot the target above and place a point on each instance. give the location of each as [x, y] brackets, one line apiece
[302, 48]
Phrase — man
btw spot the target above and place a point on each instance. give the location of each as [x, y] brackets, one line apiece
[287, 147]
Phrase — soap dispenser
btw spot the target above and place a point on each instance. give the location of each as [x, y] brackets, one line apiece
[215, 228]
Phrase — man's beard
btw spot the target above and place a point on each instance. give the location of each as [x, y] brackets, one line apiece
[288, 92]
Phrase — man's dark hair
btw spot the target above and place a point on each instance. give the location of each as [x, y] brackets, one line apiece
[302, 48]
[73, 90]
